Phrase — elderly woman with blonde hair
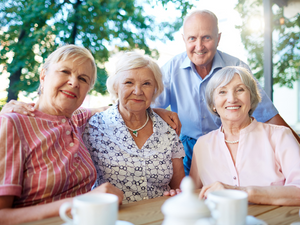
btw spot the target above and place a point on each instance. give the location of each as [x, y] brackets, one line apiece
[131, 146]
[44, 161]
[243, 154]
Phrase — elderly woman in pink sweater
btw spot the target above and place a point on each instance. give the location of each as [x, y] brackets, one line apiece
[243, 154]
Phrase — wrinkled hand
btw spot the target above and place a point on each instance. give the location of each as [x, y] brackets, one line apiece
[18, 107]
[214, 187]
[109, 188]
[170, 118]
[172, 192]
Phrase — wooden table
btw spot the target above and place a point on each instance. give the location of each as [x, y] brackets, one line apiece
[147, 212]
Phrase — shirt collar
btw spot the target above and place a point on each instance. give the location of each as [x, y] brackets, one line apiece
[218, 62]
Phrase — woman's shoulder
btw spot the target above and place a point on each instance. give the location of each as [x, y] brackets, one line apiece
[16, 118]
[273, 128]
[159, 123]
[209, 137]
[105, 118]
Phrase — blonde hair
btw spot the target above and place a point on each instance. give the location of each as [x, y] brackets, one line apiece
[77, 54]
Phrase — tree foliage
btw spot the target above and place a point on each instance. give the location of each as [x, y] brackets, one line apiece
[286, 42]
[32, 29]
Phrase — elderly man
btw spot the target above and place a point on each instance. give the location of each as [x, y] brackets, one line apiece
[187, 74]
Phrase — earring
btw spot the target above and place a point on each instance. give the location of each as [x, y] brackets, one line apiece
[214, 109]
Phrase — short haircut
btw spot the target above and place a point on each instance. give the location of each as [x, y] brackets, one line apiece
[201, 12]
[223, 77]
[129, 61]
[72, 52]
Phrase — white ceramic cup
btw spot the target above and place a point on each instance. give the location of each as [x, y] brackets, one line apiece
[228, 207]
[91, 209]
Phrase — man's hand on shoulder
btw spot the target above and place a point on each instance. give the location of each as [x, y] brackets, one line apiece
[170, 118]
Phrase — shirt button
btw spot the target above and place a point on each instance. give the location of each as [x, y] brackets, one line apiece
[145, 198]
[234, 178]
[63, 120]
[71, 144]
[75, 155]
[68, 132]
[142, 178]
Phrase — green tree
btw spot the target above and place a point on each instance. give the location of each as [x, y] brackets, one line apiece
[286, 42]
[32, 29]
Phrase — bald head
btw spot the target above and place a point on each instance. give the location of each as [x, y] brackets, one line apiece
[201, 37]
[197, 14]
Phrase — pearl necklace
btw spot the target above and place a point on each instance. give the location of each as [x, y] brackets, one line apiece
[233, 142]
[135, 131]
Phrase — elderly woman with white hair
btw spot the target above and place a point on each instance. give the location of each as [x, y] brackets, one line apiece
[130, 145]
[243, 154]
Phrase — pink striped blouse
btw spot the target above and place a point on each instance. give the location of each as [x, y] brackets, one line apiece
[43, 158]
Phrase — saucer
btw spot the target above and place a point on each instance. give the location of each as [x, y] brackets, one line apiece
[119, 222]
[122, 222]
[251, 220]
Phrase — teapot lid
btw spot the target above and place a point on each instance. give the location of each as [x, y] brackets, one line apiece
[186, 203]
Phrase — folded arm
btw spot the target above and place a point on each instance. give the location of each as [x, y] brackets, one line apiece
[178, 175]
[9, 215]
[267, 195]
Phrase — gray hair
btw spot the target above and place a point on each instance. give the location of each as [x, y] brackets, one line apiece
[201, 12]
[77, 54]
[134, 60]
[223, 77]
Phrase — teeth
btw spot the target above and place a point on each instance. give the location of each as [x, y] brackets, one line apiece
[199, 53]
[233, 107]
[67, 93]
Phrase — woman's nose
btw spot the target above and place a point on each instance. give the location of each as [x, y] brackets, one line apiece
[138, 90]
[73, 81]
[231, 97]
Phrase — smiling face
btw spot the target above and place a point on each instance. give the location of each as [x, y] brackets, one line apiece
[232, 101]
[135, 90]
[201, 39]
[65, 85]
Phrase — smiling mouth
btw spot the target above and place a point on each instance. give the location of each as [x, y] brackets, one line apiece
[199, 53]
[233, 107]
[67, 93]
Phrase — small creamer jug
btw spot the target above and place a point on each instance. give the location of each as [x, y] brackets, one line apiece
[185, 208]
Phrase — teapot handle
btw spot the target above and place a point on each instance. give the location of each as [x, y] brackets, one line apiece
[213, 208]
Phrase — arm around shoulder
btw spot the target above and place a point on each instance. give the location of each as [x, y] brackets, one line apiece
[274, 195]
[170, 118]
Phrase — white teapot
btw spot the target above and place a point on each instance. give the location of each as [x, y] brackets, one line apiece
[185, 208]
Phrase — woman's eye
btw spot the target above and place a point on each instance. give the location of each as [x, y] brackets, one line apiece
[240, 90]
[221, 92]
[147, 83]
[83, 79]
